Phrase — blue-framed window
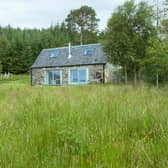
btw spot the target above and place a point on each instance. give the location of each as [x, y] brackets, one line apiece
[78, 76]
[53, 77]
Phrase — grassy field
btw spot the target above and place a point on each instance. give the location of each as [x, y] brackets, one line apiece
[97, 126]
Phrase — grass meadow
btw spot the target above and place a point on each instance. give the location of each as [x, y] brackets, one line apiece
[94, 126]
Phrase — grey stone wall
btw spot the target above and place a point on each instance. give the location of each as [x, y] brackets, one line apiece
[37, 76]
[95, 74]
[112, 73]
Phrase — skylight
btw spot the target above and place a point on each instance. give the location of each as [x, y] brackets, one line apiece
[54, 53]
[88, 52]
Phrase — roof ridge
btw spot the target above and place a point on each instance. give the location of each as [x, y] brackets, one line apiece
[73, 46]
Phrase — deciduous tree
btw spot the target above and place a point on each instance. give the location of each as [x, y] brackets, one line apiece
[156, 63]
[128, 31]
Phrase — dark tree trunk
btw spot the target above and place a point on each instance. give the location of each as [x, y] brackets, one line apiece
[81, 36]
[135, 76]
[157, 80]
[139, 75]
[126, 75]
[119, 80]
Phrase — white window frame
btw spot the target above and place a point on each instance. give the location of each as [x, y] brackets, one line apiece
[46, 82]
[78, 83]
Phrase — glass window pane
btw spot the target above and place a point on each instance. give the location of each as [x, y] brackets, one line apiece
[50, 78]
[54, 53]
[82, 75]
[58, 82]
[56, 74]
[89, 52]
[54, 77]
[74, 76]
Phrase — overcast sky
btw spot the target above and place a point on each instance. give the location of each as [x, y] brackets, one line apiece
[43, 13]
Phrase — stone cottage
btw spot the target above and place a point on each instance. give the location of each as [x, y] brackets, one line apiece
[72, 65]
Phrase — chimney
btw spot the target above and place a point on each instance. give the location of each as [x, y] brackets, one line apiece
[69, 55]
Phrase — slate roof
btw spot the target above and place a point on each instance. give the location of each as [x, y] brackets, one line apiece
[78, 57]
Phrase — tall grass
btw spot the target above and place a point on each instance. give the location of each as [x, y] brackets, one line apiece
[83, 126]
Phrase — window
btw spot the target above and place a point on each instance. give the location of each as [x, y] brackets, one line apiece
[53, 77]
[79, 76]
[54, 53]
[89, 52]
[74, 76]
[82, 76]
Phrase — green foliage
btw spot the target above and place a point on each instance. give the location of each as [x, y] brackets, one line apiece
[164, 19]
[127, 34]
[81, 127]
[164, 26]
[83, 21]
[19, 48]
[0, 67]
[162, 12]
[157, 61]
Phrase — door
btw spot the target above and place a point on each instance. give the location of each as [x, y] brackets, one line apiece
[54, 77]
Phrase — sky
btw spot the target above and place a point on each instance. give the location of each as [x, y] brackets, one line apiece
[43, 13]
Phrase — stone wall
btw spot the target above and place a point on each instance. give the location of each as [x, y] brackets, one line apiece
[95, 74]
[111, 73]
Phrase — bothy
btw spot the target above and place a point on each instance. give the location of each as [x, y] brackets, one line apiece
[81, 64]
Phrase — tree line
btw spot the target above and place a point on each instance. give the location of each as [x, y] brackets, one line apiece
[20, 47]
[134, 38]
